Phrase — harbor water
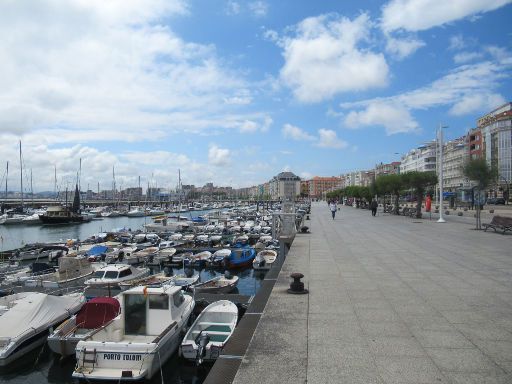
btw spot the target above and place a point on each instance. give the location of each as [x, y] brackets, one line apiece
[41, 365]
[15, 236]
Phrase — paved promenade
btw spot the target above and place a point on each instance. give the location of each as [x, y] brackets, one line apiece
[392, 300]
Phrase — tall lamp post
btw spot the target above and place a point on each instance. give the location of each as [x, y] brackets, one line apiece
[440, 143]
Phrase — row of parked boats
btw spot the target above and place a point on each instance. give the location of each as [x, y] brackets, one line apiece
[127, 337]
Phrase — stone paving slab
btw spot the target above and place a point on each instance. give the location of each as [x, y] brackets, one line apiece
[392, 300]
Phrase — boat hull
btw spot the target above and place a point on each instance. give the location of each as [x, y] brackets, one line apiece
[61, 220]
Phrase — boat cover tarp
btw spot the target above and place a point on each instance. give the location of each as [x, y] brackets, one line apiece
[34, 311]
[97, 250]
[97, 312]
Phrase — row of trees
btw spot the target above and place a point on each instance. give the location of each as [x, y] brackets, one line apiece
[395, 184]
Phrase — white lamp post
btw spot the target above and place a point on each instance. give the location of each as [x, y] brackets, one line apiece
[440, 143]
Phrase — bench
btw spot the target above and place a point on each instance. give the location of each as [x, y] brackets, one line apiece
[499, 222]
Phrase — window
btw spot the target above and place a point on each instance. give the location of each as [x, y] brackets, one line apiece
[158, 302]
[178, 298]
[135, 314]
[126, 272]
[99, 274]
[111, 275]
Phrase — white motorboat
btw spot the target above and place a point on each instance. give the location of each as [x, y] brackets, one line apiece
[71, 270]
[264, 260]
[27, 319]
[219, 284]
[94, 314]
[114, 274]
[11, 218]
[155, 280]
[184, 282]
[217, 259]
[210, 332]
[138, 342]
[136, 212]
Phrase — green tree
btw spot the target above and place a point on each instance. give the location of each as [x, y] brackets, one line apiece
[392, 184]
[479, 171]
[419, 181]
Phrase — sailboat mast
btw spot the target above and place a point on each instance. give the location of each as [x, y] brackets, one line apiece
[6, 177]
[113, 186]
[55, 181]
[21, 178]
[31, 188]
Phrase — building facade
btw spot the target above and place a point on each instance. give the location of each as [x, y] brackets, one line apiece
[285, 186]
[387, 169]
[421, 159]
[319, 185]
[455, 154]
[496, 128]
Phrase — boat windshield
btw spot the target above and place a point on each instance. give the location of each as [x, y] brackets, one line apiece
[111, 275]
[99, 274]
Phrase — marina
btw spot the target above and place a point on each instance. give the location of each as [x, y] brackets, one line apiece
[216, 270]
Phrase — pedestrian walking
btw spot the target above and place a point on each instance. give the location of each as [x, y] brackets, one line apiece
[333, 208]
[373, 206]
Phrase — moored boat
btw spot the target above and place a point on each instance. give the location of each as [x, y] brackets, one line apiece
[114, 274]
[26, 321]
[240, 256]
[219, 284]
[136, 343]
[210, 332]
[264, 260]
[94, 314]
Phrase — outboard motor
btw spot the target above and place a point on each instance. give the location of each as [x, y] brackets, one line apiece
[202, 341]
[120, 256]
[167, 272]
[227, 275]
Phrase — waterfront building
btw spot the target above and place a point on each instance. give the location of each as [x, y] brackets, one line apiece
[455, 154]
[475, 143]
[421, 159]
[319, 185]
[387, 169]
[496, 128]
[285, 186]
[304, 187]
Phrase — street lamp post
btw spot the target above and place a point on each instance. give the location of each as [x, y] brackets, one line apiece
[440, 143]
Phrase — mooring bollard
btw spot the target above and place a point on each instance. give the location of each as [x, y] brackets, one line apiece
[297, 287]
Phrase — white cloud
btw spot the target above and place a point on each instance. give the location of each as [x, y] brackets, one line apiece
[325, 57]
[403, 47]
[258, 8]
[466, 89]
[295, 133]
[457, 42]
[218, 156]
[329, 139]
[395, 118]
[476, 102]
[232, 8]
[414, 15]
[465, 57]
[110, 67]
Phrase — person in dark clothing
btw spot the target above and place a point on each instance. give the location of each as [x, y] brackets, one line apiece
[373, 206]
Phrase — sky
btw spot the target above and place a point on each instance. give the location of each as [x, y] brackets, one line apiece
[234, 92]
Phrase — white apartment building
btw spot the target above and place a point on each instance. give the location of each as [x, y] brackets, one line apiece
[496, 129]
[455, 153]
[421, 159]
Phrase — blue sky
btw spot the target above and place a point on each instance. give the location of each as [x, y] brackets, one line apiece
[233, 92]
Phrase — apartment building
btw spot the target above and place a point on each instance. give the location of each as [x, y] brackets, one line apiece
[421, 159]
